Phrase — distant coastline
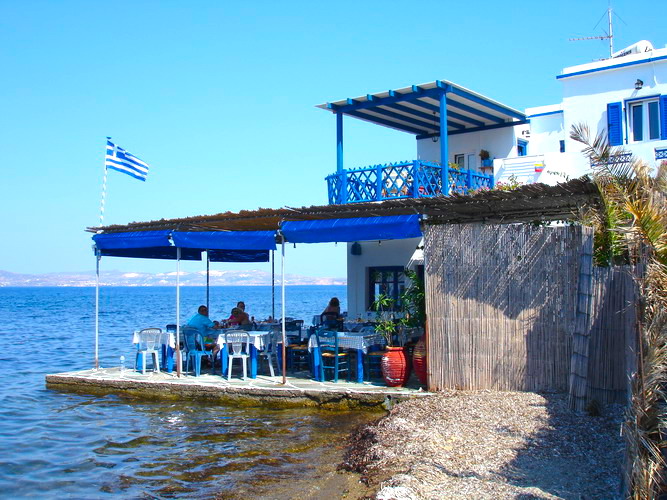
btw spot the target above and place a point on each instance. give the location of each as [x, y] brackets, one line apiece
[133, 279]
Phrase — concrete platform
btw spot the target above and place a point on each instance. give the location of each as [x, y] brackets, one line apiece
[298, 392]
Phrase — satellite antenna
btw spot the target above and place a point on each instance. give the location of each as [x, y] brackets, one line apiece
[609, 36]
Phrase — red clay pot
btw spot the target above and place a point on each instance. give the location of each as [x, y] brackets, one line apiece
[419, 360]
[395, 367]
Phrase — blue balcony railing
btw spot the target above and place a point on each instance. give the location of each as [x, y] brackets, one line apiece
[408, 179]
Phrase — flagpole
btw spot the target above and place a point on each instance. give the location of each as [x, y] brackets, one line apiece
[104, 190]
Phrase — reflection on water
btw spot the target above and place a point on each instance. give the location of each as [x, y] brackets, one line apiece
[87, 446]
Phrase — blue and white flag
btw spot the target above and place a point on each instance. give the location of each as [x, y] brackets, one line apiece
[124, 161]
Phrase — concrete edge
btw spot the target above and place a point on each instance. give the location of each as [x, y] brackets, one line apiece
[282, 397]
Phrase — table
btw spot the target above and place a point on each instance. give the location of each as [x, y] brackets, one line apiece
[168, 342]
[258, 340]
[359, 341]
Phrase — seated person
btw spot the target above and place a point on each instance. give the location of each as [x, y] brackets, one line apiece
[237, 318]
[201, 321]
[331, 317]
[241, 305]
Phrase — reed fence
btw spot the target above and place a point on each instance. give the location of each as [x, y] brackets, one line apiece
[504, 303]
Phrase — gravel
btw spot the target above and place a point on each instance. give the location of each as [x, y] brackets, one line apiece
[484, 444]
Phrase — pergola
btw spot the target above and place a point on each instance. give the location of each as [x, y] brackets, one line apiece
[425, 110]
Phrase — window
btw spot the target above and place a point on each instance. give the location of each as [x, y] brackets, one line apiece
[521, 148]
[562, 146]
[644, 120]
[387, 280]
[460, 160]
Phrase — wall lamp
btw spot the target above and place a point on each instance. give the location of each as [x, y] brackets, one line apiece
[639, 84]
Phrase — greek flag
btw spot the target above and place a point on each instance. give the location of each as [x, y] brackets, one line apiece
[124, 161]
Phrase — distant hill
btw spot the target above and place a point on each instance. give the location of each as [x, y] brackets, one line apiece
[117, 278]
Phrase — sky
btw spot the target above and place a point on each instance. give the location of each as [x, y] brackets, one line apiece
[218, 97]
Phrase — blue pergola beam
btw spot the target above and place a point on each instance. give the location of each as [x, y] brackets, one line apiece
[386, 123]
[427, 125]
[392, 98]
[464, 107]
[476, 99]
[436, 109]
[477, 129]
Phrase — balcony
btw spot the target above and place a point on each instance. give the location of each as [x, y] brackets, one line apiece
[409, 179]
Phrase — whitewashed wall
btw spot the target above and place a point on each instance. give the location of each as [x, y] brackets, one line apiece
[585, 97]
[389, 253]
[500, 143]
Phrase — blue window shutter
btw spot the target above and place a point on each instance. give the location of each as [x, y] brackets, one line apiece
[614, 123]
[663, 117]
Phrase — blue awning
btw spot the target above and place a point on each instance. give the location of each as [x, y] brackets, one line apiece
[392, 227]
[166, 253]
[134, 239]
[228, 246]
[225, 240]
[238, 255]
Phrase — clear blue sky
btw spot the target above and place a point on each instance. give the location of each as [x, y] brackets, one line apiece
[218, 97]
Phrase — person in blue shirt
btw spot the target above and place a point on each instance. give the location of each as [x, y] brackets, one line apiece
[201, 322]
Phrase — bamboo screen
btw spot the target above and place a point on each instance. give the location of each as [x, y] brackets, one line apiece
[501, 303]
[613, 335]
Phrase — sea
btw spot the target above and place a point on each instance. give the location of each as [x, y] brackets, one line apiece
[80, 445]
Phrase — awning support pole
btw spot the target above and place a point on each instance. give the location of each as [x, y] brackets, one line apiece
[208, 265]
[178, 312]
[282, 273]
[444, 147]
[273, 285]
[98, 257]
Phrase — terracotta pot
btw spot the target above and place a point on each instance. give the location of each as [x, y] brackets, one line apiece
[395, 367]
[419, 360]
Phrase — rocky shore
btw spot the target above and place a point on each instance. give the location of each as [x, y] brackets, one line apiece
[489, 445]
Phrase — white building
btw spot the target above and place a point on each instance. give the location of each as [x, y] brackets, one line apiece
[624, 98]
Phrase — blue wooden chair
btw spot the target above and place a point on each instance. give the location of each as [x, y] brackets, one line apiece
[331, 357]
[195, 349]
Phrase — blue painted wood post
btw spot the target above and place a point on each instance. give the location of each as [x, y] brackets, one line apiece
[469, 178]
[493, 181]
[444, 149]
[342, 178]
[416, 179]
[380, 182]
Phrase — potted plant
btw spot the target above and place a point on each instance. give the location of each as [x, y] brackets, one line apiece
[413, 301]
[395, 364]
[486, 158]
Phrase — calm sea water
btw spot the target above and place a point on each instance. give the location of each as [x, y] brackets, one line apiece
[77, 445]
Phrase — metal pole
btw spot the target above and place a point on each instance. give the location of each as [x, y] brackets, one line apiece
[97, 307]
[178, 312]
[104, 189]
[208, 263]
[273, 284]
[282, 272]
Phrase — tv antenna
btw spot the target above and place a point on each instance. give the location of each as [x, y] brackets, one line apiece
[608, 36]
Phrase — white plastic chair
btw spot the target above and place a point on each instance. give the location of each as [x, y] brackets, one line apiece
[238, 347]
[268, 350]
[149, 342]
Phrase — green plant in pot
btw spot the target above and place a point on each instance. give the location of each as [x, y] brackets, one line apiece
[413, 302]
[395, 364]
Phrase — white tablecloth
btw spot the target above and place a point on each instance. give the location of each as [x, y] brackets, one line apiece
[352, 340]
[167, 338]
[258, 339]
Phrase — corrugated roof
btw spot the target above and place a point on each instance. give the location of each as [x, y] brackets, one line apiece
[524, 204]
